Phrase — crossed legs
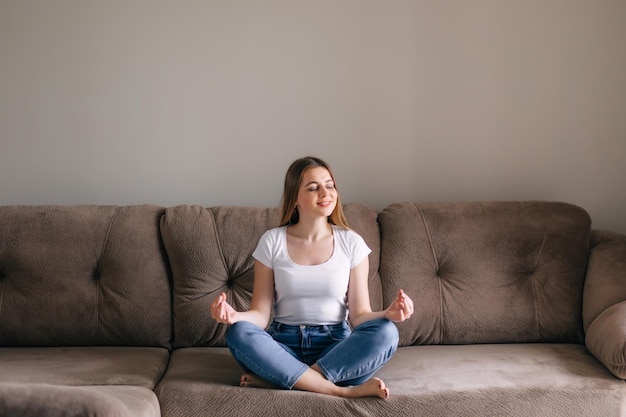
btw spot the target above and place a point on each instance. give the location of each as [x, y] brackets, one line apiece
[270, 364]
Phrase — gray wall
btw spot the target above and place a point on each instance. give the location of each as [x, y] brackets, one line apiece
[207, 102]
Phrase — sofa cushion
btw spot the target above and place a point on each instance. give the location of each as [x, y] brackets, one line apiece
[88, 365]
[209, 251]
[430, 381]
[535, 379]
[83, 275]
[494, 272]
[42, 400]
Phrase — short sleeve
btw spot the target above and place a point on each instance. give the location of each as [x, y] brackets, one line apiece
[358, 248]
[264, 249]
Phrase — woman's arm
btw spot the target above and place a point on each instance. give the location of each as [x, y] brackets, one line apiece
[359, 308]
[262, 301]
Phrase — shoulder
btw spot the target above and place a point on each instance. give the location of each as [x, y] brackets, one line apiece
[269, 246]
[272, 235]
[344, 233]
[352, 244]
[348, 236]
[275, 231]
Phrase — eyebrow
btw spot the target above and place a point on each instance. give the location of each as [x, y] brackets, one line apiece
[315, 182]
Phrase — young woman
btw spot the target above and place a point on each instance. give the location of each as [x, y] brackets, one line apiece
[312, 272]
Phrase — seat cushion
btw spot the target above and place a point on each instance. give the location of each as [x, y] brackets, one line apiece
[42, 400]
[430, 381]
[139, 366]
[503, 380]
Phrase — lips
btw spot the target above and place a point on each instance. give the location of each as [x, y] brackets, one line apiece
[325, 203]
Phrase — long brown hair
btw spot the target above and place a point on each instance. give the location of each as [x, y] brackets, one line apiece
[293, 180]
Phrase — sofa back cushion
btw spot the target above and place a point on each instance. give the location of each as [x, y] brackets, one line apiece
[493, 272]
[210, 251]
[83, 275]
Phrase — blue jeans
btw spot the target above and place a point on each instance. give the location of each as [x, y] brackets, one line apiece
[283, 353]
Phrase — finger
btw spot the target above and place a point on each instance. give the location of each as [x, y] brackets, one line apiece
[215, 308]
[407, 300]
[223, 315]
[218, 300]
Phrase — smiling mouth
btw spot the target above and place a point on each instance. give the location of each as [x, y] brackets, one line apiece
[325, 203]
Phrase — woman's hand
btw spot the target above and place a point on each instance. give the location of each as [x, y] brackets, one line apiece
[400, 309]
[223, 312]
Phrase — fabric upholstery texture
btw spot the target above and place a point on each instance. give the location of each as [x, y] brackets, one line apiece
[458, 380]
[604, 305]
[83, 275]
[84, 365]
[104, 311]
[606, 339]
[209, 251]
[501, 272]
[606, 274]
[41, 400]
[494, 380]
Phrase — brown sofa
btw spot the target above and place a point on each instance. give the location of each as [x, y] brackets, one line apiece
[104, 311]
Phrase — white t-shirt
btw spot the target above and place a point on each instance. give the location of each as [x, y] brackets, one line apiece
[311, 294]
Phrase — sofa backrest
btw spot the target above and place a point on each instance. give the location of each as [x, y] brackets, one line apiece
[209, 252]
[500, 272]
[83, 275]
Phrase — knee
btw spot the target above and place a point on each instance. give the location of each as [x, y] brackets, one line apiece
[389, 332]
[240, 331]
[385, 330]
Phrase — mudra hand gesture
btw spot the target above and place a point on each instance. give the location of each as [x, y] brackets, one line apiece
[223, 312]
[400, 309]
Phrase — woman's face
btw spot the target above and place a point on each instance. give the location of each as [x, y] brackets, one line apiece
[317, 195]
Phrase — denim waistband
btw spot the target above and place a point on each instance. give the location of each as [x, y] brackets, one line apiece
[290, 327]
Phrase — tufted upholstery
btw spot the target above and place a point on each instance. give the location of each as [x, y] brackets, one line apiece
[501, 272]
[83, 275]
[486, 277]
[209, 251]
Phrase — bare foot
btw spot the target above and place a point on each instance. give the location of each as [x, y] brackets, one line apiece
[374, 387]
[313, 380]
[253, 381]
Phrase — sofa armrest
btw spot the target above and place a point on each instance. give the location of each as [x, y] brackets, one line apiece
[604, 301]
[606, 339]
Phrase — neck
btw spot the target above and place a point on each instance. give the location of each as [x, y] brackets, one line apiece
[311, 229]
